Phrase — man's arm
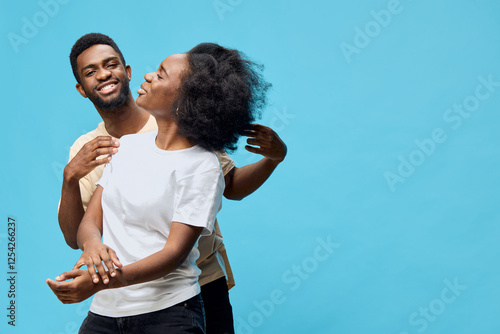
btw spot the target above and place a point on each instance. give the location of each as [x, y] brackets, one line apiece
[242, 181]
[71, 207]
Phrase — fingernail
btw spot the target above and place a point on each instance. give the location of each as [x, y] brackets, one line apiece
[58, 277]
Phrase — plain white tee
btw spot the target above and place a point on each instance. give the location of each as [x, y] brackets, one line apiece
[145, 190]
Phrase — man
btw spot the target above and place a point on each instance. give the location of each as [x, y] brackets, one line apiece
[103, 76]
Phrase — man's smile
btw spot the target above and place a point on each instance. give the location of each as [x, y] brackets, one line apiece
[107, 87]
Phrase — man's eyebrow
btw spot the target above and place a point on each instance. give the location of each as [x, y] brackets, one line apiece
[164, 70]
[104, 61]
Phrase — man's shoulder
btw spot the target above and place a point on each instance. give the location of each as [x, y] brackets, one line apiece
[85, 138]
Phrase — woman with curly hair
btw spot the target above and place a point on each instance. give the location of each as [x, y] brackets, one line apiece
[160, 192]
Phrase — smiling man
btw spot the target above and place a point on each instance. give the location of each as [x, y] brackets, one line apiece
[103, 77]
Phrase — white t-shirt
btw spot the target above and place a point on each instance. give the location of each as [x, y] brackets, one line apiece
[213, 261]
[145, 190]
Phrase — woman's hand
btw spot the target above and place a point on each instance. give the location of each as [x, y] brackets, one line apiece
[95, 253]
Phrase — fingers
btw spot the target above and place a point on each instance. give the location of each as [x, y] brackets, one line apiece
[110, 262]
[52, 284]
[103, 151]
[87, 158]
[91, 269]
[261, 128]
[61, 277]
[253, 149]
[259, 142]
[63, 294]
[102, 271]
[103, 161]
[93, 260]
[258, 134]
[115, 259]
[102, 145]
[103, 141]
[100, 261]
[71, 291]
[77, 265]
[67, 275]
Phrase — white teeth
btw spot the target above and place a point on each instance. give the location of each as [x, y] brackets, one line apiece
[107, 86]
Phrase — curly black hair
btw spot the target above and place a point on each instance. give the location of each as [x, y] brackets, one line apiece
[85, 42]
[221, 94]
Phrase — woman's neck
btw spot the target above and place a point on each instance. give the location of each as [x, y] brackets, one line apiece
[168, 137]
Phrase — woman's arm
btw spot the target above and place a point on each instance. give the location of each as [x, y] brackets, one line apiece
[89, 240]
[180, 242]
[91, 226]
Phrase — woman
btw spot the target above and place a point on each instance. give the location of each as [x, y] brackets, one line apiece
[160, 192]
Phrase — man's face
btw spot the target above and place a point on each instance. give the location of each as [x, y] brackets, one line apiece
[104, 79]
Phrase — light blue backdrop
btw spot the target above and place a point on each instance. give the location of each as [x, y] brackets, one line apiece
[383, 218]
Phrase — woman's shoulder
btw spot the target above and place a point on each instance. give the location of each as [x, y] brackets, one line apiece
[200, 159]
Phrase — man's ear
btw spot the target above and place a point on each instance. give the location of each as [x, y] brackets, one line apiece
[80, 90]
[128, 69]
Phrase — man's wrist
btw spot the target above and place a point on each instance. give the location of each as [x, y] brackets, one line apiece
[274, 162]
[69, 176]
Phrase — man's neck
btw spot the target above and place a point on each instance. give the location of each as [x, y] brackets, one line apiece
[127, 119]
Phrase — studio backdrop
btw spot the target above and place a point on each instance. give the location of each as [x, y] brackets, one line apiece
[383, 218]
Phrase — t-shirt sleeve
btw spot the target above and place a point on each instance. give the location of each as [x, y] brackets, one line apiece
[225, 161]
[73, 150]
[103, 181]
[198, 198]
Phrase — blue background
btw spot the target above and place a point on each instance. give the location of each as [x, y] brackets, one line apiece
[355, 99]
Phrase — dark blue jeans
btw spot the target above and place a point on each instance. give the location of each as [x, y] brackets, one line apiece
[218, 310]
[183, 318]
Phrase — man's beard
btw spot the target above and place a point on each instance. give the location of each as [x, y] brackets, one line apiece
[110, 106]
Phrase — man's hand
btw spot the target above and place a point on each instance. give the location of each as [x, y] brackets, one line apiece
[270, 144]
[76, 290]
[242, 181]
[86, 159]
[94, 255]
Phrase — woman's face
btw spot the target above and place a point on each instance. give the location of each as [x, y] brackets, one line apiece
[160, 89]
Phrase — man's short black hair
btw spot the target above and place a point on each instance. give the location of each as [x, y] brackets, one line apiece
[85, 42]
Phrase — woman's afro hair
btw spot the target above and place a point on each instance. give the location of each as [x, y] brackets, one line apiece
[221, 94]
